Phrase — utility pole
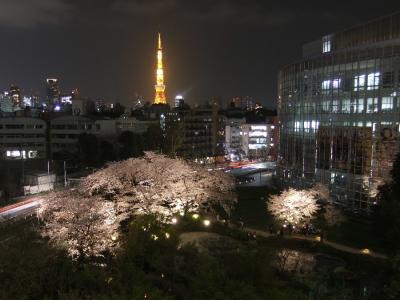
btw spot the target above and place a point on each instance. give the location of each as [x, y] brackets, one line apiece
[48, 172]
[65, 174]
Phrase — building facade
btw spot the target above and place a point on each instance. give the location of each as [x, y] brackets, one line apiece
[202, 130]
[233, 136]
[339, 112]
[52, 91]
[257, 140]
[65, 131]
[22, 138]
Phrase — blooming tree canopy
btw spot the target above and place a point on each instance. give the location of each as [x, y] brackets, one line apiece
[299, 206]
[294, 206]
[87, 219]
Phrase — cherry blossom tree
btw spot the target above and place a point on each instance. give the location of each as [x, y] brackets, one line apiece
[86, 221]
[294, 206]
[85, 226]
[300, 206]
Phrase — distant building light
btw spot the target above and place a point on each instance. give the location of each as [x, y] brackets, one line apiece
[262, 127]
[66, 99]
[57, 108]
[326, 44]
[13, 153]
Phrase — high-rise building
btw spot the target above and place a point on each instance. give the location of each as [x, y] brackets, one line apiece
[52, 91]
[242, 103]
[179, 100]
[6, 104]
[339, 112]
[201, 129]
[15, 95]
[160, 86]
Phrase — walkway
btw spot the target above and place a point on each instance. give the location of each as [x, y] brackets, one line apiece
[334, 245]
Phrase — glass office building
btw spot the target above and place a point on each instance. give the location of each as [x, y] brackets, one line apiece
[339, 111]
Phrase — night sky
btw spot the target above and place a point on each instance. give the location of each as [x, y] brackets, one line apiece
[211, 48]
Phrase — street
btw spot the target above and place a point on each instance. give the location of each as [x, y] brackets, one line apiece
[22, 208]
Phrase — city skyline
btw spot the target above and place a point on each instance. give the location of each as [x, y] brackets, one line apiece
[181, 149]
[214, 49]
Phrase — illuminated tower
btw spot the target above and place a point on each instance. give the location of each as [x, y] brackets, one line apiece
[160, 87]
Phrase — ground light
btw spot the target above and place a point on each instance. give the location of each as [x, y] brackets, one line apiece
[207, 223]
[195, 216]
[366, 251]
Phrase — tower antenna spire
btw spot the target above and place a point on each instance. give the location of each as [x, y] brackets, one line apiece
[160, 87]
[159, 41]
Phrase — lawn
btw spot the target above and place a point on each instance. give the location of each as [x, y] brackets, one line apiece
[355, 232]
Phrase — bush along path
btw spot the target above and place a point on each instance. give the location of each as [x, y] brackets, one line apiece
[315, 238]
[252, 232]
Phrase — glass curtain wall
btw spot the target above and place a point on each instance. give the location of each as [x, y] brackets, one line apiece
[340, 119]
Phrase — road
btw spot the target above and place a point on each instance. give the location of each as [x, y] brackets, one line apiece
[20, 209]
[253, 174]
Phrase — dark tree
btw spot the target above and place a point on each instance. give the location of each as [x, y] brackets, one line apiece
[174, 138]
[153, 138]
[387, 214]
[64, 155]
[107, 151]
[131, 145]
[88, 147]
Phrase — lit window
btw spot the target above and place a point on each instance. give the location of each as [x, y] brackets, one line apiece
[359, 83]
[372, 105]
[314, 124]
[336, 83]
[33, 154]
[387, 103]
[360, 105]
[257, 133]
[346, 106]
[326, 44]
[307, 126]
[373, 80]
[297, 126]
[261, 127]
[335, 106]
[326, 84]
[13, 153]
[326, 106]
